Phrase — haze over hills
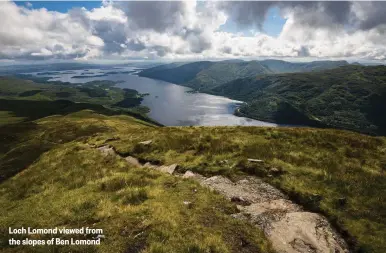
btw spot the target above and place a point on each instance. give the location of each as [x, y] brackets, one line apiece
[205, 74]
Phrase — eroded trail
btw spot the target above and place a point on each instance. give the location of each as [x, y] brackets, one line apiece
[289, 228]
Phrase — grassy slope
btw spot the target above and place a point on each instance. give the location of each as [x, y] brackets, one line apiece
[351, 97]
[140, 210]
[320, 167]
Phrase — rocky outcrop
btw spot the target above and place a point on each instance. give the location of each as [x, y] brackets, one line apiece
[289, 228]
[106, 150]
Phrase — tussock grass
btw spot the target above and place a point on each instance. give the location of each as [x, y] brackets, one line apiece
[338, 173]
[140, 210]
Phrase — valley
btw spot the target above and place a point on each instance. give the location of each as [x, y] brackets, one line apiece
[329, 94]
[55, 169]
[192, 126]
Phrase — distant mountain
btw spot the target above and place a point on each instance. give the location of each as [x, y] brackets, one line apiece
[349, 97]
[278, 66]
[205, 74]
[223, 72]
[178, 73]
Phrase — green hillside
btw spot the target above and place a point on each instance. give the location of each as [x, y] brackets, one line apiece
[51, 174]
[349, 97]
[223, 72]
[176, 73]
[22, 99]
[278, 66]
[205, 75]
[61, 180]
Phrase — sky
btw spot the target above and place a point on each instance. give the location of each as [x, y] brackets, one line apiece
[190, 30]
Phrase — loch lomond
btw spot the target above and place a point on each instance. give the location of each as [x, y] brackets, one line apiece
[170, 104]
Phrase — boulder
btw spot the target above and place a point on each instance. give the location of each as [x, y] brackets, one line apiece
[133, 161]
[166, 169]
[188, 174]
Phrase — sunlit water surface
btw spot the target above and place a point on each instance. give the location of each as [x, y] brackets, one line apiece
[170, 104]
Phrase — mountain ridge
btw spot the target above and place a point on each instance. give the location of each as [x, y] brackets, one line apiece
[349, 97]
[203, 75]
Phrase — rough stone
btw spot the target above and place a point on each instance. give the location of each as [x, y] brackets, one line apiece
[276, 205]
[149, 165]
[166, 169]
[240, 200]
[133, 161]
[106, 150]
[305, 232]
[251, 189]
[146, 142]
[286, 225]
[188, 174]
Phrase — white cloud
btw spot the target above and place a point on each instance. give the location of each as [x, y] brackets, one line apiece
[26, 33]
[190, 30]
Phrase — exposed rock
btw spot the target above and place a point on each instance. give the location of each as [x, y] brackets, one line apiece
[195, 176]
[146, 142]
[255, 160]
[275, 171]
[149, 165]
[289, 229]
[133, 161]
[251, 189]
[286, 225]
[106, 150]
[188, 174]
[304, 232]
[240, 201]
[166, 169]
[276, 205]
